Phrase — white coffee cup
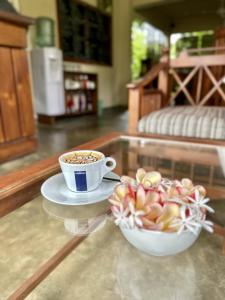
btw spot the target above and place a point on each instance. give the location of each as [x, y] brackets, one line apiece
[86, 177]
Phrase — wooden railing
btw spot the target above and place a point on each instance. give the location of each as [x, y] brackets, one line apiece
[142, 100]
[206, 72]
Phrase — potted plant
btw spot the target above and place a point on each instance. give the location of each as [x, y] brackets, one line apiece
[160, 216]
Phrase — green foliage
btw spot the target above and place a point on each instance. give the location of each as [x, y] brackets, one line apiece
[139, 48]
[147, 44]
[181, 41]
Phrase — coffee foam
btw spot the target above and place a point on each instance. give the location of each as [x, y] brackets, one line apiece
[82, 158]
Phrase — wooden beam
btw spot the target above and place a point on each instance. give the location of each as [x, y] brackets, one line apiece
[151, 75]
[134, 109]
[182, 87]
[210, 93]
[199, 85]
[183, 84]
[177, 154]
[206, 49]
[185, 61]
[215, 82]
[164, 78]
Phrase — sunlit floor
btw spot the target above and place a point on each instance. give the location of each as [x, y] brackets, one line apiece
[67, 133]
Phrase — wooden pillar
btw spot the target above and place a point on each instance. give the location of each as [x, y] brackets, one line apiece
[163, 81]
[134, 109]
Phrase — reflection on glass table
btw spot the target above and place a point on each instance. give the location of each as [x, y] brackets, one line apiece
[78, 220]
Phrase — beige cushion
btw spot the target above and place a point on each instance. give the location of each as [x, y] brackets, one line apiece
[192, 121]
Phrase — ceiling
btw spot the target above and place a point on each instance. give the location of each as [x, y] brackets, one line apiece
[180, 15]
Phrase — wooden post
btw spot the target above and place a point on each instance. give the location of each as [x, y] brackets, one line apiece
[163, 81]
[134, 109]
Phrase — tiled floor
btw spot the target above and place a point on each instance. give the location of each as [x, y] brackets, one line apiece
[70, 132]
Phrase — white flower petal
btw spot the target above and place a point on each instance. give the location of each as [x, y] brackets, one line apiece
[131, 221]
[207, 225]
[209, 208]
[192, 229]
[183, 212]
[181, 229]
[131, 207]
[208, 228]
[138, 222]
[205, 200]
[117, 222]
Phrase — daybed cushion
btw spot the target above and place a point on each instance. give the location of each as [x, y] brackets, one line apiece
[192, 121]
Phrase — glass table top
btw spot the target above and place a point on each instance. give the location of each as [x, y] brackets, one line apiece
[105, 265]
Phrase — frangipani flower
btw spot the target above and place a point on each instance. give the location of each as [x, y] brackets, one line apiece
[140, 175]
[170, 211]
[186, 223]
[147, 179]
[120, 193]
[128, 180]
[134, 218]
[200, 202]
[121, 215]
[157, 203]
[207, 225]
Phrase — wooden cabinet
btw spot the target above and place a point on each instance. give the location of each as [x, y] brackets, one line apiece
[17, 126]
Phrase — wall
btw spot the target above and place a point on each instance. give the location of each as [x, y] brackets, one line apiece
[122, 14]
[112, 79]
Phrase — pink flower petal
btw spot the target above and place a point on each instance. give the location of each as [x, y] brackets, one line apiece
[128, 199]
[121, 190]
[152, 196]
[114, 202]
[147, 224]
[156, 211]
[170, 210]
[140, 198]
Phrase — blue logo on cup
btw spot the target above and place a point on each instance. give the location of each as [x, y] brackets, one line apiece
[81, 180]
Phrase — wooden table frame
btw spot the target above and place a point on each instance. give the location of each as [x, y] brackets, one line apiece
[23, 185]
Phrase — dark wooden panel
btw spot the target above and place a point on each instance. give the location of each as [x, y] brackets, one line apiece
[12, 35]
[1, 131]
[23, 91]
[18, 20]
[8, 101]
[17, 148]
[150, 102]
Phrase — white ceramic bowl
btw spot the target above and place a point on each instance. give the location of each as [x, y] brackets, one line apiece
[159, 243]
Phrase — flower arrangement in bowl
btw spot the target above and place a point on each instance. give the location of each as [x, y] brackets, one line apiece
[160, 216]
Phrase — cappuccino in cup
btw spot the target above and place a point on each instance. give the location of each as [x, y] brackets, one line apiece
[83, 170]
[82, 158]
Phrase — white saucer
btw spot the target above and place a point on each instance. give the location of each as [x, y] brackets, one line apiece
[55, 190]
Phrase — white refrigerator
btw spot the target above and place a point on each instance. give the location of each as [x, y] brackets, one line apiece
[48, 83]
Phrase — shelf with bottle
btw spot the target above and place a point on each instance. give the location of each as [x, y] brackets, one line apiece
[78, 102]
[80, 93]
[79, 82]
